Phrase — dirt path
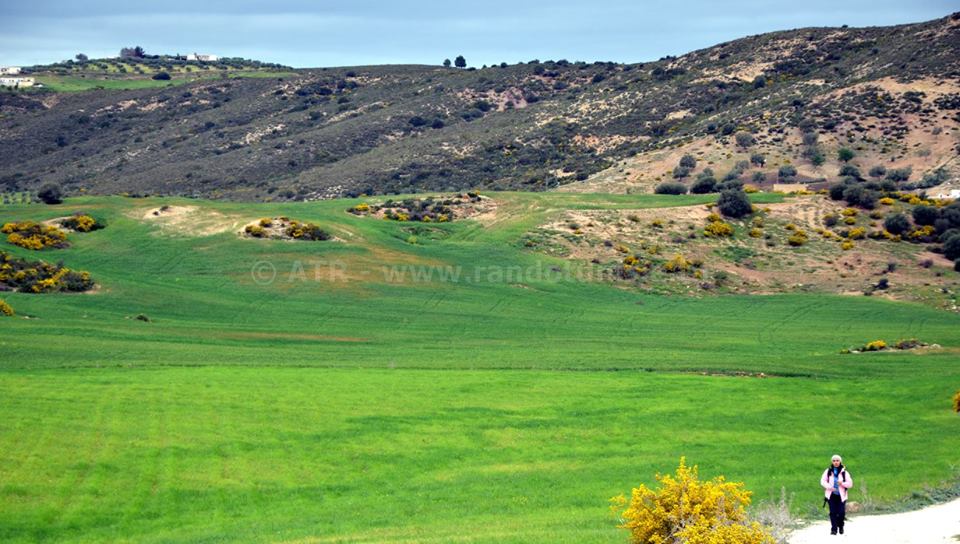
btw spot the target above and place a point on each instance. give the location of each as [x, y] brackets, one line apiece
[931, 525]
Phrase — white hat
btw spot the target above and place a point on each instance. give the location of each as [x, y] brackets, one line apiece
[837, 458]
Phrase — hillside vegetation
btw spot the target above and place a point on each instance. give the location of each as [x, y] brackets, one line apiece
[890, 94]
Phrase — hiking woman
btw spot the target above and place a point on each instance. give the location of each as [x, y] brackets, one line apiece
[835, 482]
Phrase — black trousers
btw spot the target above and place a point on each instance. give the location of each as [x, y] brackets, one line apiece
[838, 510]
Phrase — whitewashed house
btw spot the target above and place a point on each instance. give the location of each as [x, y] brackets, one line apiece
[9, 70]
[953, 194]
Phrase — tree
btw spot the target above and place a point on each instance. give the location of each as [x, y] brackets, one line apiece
[132, 52]
[744, 139]
[951, 247]
[446, 63]
[161, 76]
[757, 159]
[786, 172]
[688, 161]
[687, 510]
[925, 215]
[460, 62]
[878, 171]
[734, 203]
[845, 154]
[81, 57]
[896, 223]
[50, 193]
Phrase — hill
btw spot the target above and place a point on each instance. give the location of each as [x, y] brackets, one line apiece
[890, 94]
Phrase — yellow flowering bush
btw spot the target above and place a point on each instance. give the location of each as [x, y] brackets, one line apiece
[81, 223]
[257, 231]
[678, 263]
[925, 231]
[657, 223]
[686, 510]
[850, 220]
[713, 218]
[6, 309]
[849, 212]
[266, 222]
[39, 276]
[887, 201]
[876, 345]
[622, 248]
[755, 232]
[631, 260]
[718, 229]
[956, 402]
[857, 233]
[846, 245]
[32, 235]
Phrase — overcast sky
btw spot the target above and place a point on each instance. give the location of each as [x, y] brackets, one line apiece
[304, 33]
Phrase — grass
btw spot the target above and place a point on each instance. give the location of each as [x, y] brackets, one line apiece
[489, 409]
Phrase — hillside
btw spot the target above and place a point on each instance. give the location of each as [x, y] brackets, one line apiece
[890, 93]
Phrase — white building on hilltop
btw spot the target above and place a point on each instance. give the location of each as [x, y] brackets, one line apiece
[9, 70]
[202, 58]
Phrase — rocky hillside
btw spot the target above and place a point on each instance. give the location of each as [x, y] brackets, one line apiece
[891, 95]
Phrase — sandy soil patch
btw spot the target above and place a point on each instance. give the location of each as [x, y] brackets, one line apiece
[931, 525]
[188, 220]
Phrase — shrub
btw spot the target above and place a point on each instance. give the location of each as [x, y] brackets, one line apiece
[878, 171]
[718, 229]
[925, 215]
[50, 193]
[40, 277]
[161, 76]
[896, 223]
[256, 231]
[687, 510]
[845, 154]
[830, 219]
[887, 201]
[678, 263]
[688, 161]
[704, 185]
[6, 309]
[899, 174]
[755, 233]
[734, 203]
[757, 159]
[81, 223]
[670, 188]
[32, 235]
[846, 245]
[857, 233]
[798, 238]
[951, 247]
[786, 172]
[876, 345]
[956, 401]
[849, 170]
[681, 172]
[744, 139]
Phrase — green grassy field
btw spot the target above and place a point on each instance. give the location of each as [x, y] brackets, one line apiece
[351, 399]
[78, 83]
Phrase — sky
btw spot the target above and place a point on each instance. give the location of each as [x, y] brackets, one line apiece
[314, 33]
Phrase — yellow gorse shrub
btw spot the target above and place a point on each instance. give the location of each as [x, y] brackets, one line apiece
[718, 229]
[956, 401]
[6, 309]
[686, 510]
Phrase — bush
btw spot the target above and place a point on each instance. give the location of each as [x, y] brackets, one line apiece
[31, 235]
[896, 223]
[851, 171]
[40, 277]
[718, 229]
[81, 223]
[798, 238]
[6, 309]
[704, 185]
[256, 231]
[878, 171]
[956, 401]
[687, 510]
[670, 188]
[899, 174]
[951, 247]
[688, 161]
[680, 172]
[786, 172]
[678, 263]
[757, 159]
[845, 154]
[734, 203]
[744, 139]
[876, 345]
[306, 231]
[925, 215]
[50, 193]
[161, 76]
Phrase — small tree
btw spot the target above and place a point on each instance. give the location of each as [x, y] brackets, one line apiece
[81, 57]
[896, 223]
[845, 154]
[670, 188]
[734, 203]
[686, 510]
[744, 139]
[460, 62]
[50, 193]
[688, 161]
[446, 63]
[161, 76]
[757, 159]
[786, 172]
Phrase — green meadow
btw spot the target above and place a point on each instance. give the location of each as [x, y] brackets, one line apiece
[76, 83]
[428, 383]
